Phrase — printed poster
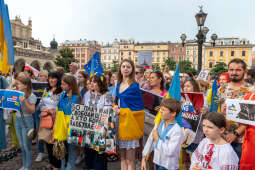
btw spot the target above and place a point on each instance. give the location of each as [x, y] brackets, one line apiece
[93, 127]
[192, 104]
[9, 99]
[241, 111]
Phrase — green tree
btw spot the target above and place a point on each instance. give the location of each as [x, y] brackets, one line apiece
[186, 66]
[219, 68]
[115, 66]
[65, 58]
[170, 63]
[155, 67]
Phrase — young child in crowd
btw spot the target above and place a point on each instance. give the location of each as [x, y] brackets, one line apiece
[165, 140]
[23, 125]
[214, 152]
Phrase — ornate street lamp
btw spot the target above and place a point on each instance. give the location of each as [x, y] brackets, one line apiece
[201, 35]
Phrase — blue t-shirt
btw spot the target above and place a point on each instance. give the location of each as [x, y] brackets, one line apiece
[112, 90]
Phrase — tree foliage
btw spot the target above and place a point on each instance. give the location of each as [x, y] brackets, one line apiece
[115, 66]
[219, 68]
[65, 58]
[170, 63]
[186, 66]
[155, 67]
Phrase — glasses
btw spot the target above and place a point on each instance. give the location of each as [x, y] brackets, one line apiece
[137, 72]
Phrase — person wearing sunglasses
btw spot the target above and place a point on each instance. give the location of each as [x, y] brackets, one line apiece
[139, 76]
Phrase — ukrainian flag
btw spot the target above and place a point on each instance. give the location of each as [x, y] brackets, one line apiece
[94, 66]
[6, 42]
[173, 92]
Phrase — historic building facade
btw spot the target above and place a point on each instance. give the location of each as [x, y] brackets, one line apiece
[127, 49]
[176, 52]
[226, 49]
[25, 46]
[82, 49]
[110, 52]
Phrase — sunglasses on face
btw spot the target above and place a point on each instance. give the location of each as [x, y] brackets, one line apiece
[137, 72]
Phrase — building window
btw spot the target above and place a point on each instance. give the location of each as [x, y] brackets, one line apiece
[25, 44]
[187, 52]
[180, 58]
[233, 42]
[82, 61]
[141, 46]
[158, 59]
[210, 64]
[82, 50]
[115, 58]
[104, 57]
[211, 53]
[180, 49]
[158, 46]
[136, 59]
[164, 53]
[38, 47]
[172, 57]
[121, 53]
[82, 55]
[109, 57]
[232, 53]
[164, 59]
[221, 43]
[221, 53]
[243, 53]
[158, 53]
[172, 49]
[129, 53]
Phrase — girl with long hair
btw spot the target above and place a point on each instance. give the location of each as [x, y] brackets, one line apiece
[82, 82]
[24, 119]
[129, 107]
[98, 97]
[71, 95]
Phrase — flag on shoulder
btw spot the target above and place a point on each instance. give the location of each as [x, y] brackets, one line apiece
[94, 66]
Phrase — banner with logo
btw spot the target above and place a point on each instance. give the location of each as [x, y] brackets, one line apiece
[93, 127]
[9, 99]
[241, 111]
[192, 104]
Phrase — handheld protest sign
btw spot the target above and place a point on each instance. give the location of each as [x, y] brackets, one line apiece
[192, 104]
[93, 127]
[241, 111]
[9, 99]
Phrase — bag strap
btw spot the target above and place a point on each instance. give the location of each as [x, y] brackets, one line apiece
[22, 117]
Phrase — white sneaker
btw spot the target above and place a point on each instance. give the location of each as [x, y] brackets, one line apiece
[79, 159]
[39, 157]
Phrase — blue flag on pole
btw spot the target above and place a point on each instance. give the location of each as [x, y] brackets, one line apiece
[175, 91]
[94, 66]
[214, 98]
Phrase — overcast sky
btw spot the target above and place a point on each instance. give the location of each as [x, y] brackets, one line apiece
[142, 20]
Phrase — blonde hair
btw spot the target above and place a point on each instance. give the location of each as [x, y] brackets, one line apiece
[26, 81]
[44, 73]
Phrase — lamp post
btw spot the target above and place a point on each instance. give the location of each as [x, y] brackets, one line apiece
[201, 35]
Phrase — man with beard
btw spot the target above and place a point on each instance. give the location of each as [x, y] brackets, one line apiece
[237, 88]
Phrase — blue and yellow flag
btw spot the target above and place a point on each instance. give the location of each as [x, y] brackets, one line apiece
[173, 92]
[6, 42]
[94, 66]
[214, 100]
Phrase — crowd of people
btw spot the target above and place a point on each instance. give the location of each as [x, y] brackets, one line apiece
[221, 144]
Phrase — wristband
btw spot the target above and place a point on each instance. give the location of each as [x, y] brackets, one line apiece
[235, 133]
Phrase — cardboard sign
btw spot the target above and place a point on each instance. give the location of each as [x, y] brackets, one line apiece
[241, 111]
[93, 127]
[191, 117]
[9, 99]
